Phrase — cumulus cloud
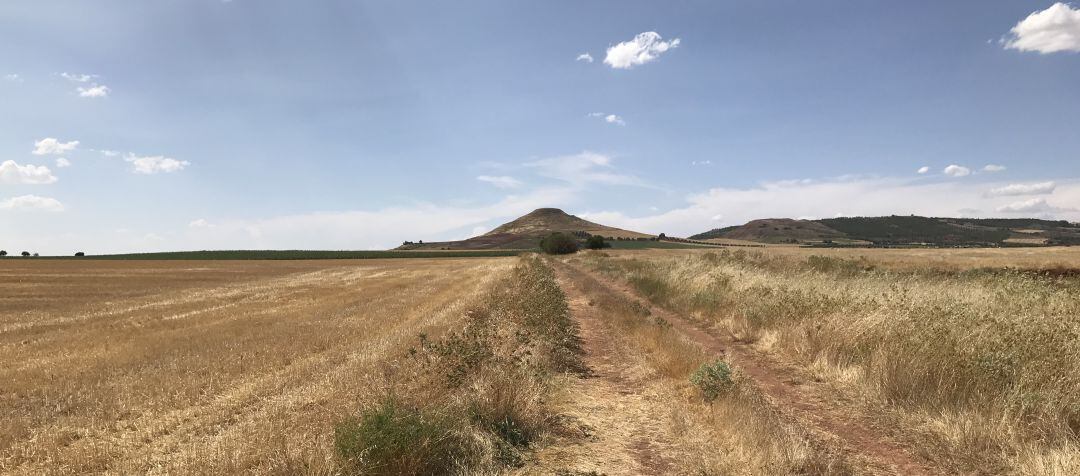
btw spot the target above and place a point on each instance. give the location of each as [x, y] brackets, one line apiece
[53, 146]
[1040, 188]
[200, 223]
[609, 118]
[13, 78]
[583, 169]
[922, 170]
[500, 181]
[78, 78]
[32, 202]
[957, 171]
[156, 164]
[994, 168]
[1056, 29]
[644, 48]
[91, 89]
[585, 57]
[94, 91]
[12, 173]
[701, 162]
[62, 162]
[1033, 205]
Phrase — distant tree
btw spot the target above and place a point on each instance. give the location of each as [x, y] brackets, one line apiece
[3, 253]
[25, 253]
[35, 255]
[661, 236]
[596, 242]
[80, 254]
[559, 244]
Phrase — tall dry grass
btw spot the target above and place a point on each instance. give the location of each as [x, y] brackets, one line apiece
[472, 401]
[737, 433]
[977, 368]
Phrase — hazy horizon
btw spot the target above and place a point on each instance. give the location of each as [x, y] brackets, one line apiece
[209, 124]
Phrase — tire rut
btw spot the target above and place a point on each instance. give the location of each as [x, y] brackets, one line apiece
[812, 406]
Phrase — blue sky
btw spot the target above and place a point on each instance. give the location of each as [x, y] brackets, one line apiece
[353, 124]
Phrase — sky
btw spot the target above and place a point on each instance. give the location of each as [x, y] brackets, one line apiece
[128, 125]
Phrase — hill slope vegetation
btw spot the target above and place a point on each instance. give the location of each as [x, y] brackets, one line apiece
[912, 229]
[526, 232]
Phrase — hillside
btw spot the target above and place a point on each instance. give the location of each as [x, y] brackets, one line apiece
[904, 230]
[526, 232]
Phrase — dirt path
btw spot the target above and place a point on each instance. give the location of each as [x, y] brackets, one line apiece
[615, 424]
[813, 406]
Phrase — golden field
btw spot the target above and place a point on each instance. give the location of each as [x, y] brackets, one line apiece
[774, 360]
[966, 357]
[206, 367]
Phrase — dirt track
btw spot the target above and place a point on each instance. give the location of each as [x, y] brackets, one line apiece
[826, 420]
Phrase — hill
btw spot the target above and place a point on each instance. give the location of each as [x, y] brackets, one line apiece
[904, 230]
[526, 232]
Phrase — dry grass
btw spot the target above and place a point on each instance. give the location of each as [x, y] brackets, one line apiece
[737, 433]
[975, 368]
[209, 367]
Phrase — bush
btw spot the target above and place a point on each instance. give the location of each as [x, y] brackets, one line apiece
[596, 242]
[80, 254]
[25, 254]
[394, 439]
[3, 253]
[559, 244]
[713, 379]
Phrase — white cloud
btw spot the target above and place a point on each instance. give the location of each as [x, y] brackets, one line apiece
[369, 229]
[500, 181]
[957, 171]
[644, 48]
[1053, 30]
[1013, 189]
[701, 162]
[109, 153]
[609, 118]
[12, 173]
[1033, 205]
[922, 170]
[994, 168]
[585, 57]
[156, 164]
[200, 223]
[52, 146]
[78, 78]
[583, 169]
[62, 162]
[13, 78]
[94, 91]
[32, 202]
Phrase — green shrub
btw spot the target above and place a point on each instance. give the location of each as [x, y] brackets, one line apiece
[713, 379]
[559, 244]
[394, 439]
[596, 242]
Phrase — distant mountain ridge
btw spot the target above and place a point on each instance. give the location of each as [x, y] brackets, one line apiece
[897, 229]
[525, 232]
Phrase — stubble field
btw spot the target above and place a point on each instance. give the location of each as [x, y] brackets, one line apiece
[206, 367]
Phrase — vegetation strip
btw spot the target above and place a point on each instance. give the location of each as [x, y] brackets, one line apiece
[830, 425]
[473, 400]
[975, 370]
[293, 255]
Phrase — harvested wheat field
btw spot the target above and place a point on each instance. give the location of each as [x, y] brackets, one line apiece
[207, 367]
